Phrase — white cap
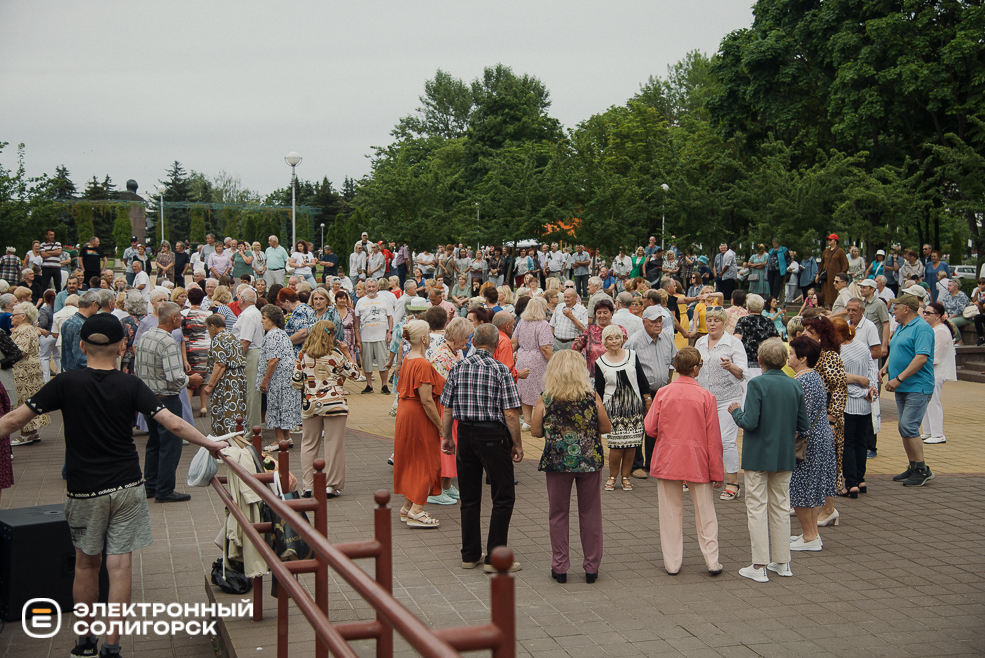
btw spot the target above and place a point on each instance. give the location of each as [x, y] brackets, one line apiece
[880, 252]
[918, 291]
[868, 282]
[652, 313]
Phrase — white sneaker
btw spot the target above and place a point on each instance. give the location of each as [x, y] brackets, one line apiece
[924, 436]
[443, 499]
[752, 573]
[782, 569]
[800, 545]
[525, 427]
[935, 439]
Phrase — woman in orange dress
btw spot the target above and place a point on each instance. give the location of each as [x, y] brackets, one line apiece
[417, 436]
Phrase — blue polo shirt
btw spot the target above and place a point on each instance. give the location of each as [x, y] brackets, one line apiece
[916, 337]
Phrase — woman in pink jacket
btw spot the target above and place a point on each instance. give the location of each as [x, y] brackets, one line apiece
[688, 448]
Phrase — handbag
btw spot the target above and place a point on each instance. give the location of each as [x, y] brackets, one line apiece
[284, 539]
[229, 579]
[753, 275]
[800, 442]
[822, 276]
[10, 352]
[969, 312]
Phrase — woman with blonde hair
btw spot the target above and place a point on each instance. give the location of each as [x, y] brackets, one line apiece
[179, 296]
[319, 373]
[505, 298]
[856, 265]
[165, 263]
[220, 305]
[688, 449]
[28, 378]
[443, 357]
[571, 418]
[417, 434]
[533, 341]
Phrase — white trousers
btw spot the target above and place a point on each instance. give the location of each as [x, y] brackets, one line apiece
[730, 432]
[252, 394]
[48, 352]
[933, 419]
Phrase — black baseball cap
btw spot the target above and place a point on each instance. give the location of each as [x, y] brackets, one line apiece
[102, 329]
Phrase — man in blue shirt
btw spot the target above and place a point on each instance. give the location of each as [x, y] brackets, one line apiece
[776, 268]
[911, 370]
[276, 261]
[73, 358]
[330, 262]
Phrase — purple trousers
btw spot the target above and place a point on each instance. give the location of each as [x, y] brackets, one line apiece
[589, 518]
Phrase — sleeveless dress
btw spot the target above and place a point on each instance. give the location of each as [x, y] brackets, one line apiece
[571, 440]
[416, 447]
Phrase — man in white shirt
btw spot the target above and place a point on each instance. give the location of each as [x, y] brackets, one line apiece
[568, 321]
[624, 317]
[555, 262]
[883, 291]
[357, 265]
[400, 308]
[70, 309]
[141, 281]
[374, 328]
[865, 329]
[876, 312]
[249, 331]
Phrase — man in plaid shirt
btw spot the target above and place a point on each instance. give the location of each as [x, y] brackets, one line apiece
[158, 364]
[10, 267]
[481, 395]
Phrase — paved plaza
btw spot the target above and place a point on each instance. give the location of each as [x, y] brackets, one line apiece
[901, 576]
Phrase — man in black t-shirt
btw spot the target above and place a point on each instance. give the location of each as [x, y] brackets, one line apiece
[105, 505]
[91, 260]
[181, 261]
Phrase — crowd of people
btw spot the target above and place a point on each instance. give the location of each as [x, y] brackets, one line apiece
[655, 359]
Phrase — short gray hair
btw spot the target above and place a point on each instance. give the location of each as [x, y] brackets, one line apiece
[134, 304]
[106, 298]
[458, 329]
[6, 300]
[156, 295]
[211, 280]
[29, 310]
[248, 296]
[755, 304]
[596, 281]
[624, 299]
[72, 300]
[26, 271]
[88, 298]
[882, 278]
[167, 310]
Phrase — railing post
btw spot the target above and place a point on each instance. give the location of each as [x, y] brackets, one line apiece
[239, 424]
[321, 527]
[384, 567]
[284, 471]
[257, 580]
[502, 594]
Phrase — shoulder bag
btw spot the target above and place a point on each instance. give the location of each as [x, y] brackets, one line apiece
[800, 441]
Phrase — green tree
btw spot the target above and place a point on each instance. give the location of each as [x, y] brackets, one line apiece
[197, 226]
[446, 106]
[122, 229]
[83, 221]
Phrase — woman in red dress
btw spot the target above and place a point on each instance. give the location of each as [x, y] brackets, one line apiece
[417, 436]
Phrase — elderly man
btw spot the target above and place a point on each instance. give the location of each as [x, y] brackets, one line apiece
[141, 282]
[503, 321]
[656, 351]
[910, 367]
[581, 262]
[357, 264]
[436, 297]
[884, 290]
[624, 317]
[249, 331]
[149, 321]
[70, 308]
[555, 262]
[374, 328]
[73, 357]
[210, 286]
[159, 365]
[876, 312]
[868, 333]
[481, 395]
[568, 321]
[725, 270]
[276, 257]
[71, 288]
[595, 293]
[128, 255]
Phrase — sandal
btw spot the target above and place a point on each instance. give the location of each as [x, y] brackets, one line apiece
[421, 520]
[275, 447]
[730, 494]
[610, 484]
[403, 515]
[627, 484]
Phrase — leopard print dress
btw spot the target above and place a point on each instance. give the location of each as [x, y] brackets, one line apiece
[832, 371]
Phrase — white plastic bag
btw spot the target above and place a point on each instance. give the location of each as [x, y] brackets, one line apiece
[876, 416]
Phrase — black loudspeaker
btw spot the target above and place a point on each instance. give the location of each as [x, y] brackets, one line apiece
[37, 559]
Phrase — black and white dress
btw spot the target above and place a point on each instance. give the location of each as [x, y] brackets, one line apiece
[621, 387]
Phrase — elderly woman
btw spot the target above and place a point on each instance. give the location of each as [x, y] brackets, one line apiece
[590, 342]
[443, 354]
[774, 413]
[758, 282]
[274, 376]
[302, 317]
[736, 310]
[813, 480]
[27, 372]
[220, 304]
[417, 435]
[533, 341]
[319, 373]
[46, 316]
[856, 265]
[136, 309]
[832, 371]
[195, 347]
[944, 371]
[7, 301]
[165, 263]
[753, 329]
[688, 449]
[460, 294]
[955, 301]
[625, 391]
[572, 419]
[724, 375]
[227, 382]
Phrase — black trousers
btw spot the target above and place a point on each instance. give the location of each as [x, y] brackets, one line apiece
[726, 286]
[484, 447]
[775, 279]
[644, 453]
[858, 432]
[581, 285]
[52, 275]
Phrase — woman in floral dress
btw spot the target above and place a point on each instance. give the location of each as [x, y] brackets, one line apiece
[274, 376]
[195, 347]
[227, 382]
[136, 309]
[27, 372]
[443, 358]
[165, 263]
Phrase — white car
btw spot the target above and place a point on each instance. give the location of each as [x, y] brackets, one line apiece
[964, 272]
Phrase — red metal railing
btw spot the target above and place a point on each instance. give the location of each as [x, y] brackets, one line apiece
[499, 635]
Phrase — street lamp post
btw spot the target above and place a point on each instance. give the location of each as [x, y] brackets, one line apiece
[477, 226]
[322, 243]
[160, 192]
[663, 219]
[294, 160]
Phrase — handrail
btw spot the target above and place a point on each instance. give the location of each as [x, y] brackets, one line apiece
[499, 635]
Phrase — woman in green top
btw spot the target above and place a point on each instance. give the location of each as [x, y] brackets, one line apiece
[639, 264]
[460, 294]
[758, 283]
[242, 261]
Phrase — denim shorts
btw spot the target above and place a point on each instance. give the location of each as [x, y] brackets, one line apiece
[910, 409]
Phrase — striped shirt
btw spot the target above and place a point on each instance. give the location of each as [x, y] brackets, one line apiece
[52, 261]
[858, 361]
[158, 363]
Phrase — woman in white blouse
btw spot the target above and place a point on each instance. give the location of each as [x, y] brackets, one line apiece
[724, 375]
[944, 370]
[861, 374]
[302, 260]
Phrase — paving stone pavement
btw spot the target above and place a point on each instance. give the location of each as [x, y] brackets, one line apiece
[901, 576]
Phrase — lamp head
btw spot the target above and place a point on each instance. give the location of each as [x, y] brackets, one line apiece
[292, 158]
[161, 189]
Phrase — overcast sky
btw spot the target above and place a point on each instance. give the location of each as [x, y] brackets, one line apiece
[126, 88]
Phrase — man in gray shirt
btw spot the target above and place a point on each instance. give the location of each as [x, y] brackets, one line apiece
[582, 262]
[656, 351]
[725, 271]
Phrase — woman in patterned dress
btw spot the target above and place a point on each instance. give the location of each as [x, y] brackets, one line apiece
[757, 268]
[625, 391]
[6, 463]
[195, 347]
[813, 481]
[736, 310]
[27, 372]
[752, 330]
[227, 383]
[319, 373]
[274, 376]
[571, 418]
[343, 306]
[832, 371]
[136, 309]
[165, 263]
[443, 357]
[533, 342]
[590, 343]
